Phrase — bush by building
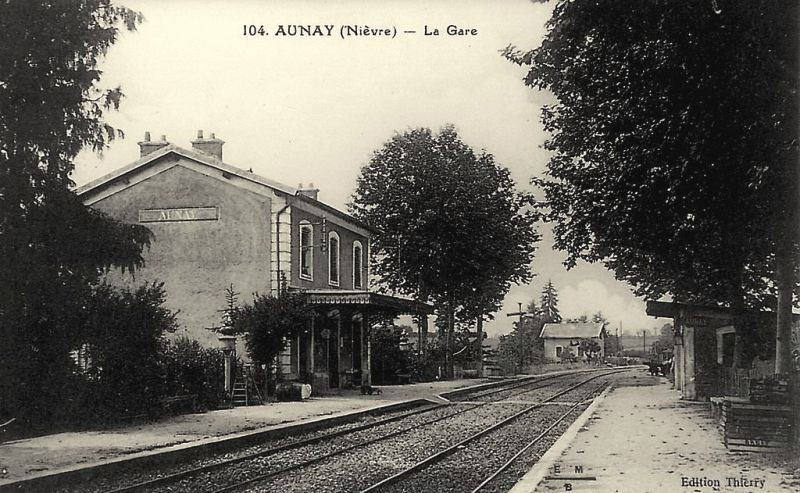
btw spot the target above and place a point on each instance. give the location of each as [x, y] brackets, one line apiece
[191, 369]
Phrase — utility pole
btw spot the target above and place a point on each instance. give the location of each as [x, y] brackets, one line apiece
[644, 342]
[521, 314]
[518, 312]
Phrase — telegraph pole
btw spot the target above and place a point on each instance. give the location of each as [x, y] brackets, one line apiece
[518, 312]
[644, 342]
[521, 314]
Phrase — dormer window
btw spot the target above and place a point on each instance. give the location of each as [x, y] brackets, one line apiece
[306, 250]
[358, 265]
[333, 258]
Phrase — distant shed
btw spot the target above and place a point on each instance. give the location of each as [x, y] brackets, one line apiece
[562, 337]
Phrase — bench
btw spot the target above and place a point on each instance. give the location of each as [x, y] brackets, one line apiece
[181, 404]
[403, 378]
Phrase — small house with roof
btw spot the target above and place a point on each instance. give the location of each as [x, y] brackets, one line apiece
[217, 225]
[565, 338]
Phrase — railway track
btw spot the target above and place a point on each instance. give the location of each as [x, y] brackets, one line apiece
[368, 470]
[270, 468]
[465, 459]
[177, 478]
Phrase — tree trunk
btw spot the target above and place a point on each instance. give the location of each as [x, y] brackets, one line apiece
[448, 340]
[479, 329]
[744, 324]
[784, 270]
[788, 229]
[787, 237]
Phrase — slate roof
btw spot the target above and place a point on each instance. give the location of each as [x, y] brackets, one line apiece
[572, 330]
[212, 161]
[200, 157]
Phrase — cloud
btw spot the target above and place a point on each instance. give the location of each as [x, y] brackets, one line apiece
[590, 296]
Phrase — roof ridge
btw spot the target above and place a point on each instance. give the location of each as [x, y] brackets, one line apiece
[198, 156]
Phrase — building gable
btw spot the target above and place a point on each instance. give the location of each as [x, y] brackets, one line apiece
[171, 156]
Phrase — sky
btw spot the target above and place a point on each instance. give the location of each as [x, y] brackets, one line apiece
[313, 109]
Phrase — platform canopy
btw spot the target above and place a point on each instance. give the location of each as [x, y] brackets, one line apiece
[366, 299]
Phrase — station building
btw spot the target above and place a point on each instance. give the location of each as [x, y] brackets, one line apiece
[216, 225]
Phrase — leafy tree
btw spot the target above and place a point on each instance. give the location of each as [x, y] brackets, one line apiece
[52, 248]
[453, 228]
[598, 317]
[269, 322]
[523, 346]
[589, 347]
[387, 358]
[549, 302]
[666, 339]
[674, 147]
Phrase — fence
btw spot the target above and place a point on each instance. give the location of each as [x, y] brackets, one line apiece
[736, 381]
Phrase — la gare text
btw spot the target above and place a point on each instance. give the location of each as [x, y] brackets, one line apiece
[352, 30]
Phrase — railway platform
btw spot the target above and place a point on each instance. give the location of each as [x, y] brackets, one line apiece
[65, 452]
[640, 437]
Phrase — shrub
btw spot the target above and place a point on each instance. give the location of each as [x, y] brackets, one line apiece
[387, 358]
[189, 368]
[124, 338]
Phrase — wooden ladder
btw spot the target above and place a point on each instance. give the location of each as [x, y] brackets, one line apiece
[241, 395]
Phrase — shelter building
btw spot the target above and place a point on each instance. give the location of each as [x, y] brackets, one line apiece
[565, 338]
[216, 225]
[705, 338]
[760, 411]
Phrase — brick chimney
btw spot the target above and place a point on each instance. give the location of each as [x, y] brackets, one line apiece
[147, 146]
[308, 191]
[212, 146]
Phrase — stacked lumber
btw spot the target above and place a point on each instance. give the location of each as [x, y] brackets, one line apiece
[755, 426]
[770, 389]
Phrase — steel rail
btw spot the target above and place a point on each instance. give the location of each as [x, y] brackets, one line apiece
[525, 383]
[320, 458]
[172, 478]
[188, 473]
[533, 442]
[452, 449]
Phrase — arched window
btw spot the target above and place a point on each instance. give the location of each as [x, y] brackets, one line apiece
[358, 265]
[306, 250]
[333, 258]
